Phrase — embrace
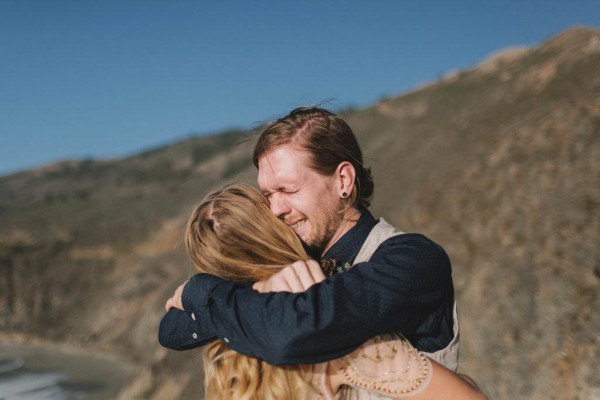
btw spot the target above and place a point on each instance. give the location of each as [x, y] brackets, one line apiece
[302, 293]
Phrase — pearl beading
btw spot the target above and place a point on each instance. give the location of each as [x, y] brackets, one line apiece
[395, 382]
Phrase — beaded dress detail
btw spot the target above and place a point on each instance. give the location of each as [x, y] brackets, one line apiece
[385, 367]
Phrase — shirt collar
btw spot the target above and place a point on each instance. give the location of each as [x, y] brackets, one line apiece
[345, 250]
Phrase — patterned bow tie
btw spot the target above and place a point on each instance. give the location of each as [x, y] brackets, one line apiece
[328, 266]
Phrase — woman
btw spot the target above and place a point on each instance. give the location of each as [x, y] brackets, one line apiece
[233, 234]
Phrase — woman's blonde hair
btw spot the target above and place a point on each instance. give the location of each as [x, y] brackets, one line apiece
[233, 234]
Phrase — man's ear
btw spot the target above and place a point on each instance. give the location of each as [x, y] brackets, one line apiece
[345, 174]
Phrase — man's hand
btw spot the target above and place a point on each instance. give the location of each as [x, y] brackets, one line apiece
[175, 301]
[296, 277]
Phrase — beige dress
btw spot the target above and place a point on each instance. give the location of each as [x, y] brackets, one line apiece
[386, 365]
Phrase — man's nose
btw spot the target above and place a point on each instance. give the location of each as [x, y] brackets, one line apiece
[279, 205]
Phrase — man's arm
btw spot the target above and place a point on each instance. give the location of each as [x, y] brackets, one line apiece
[406, 281]
[179, 330]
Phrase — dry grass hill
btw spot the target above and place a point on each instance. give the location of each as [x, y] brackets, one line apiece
[498, 163]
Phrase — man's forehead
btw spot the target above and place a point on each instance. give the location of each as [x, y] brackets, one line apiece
[285, 156]
[282, 166]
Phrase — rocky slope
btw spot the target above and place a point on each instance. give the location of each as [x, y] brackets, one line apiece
[498, 163]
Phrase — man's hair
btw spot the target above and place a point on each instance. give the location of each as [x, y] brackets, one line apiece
[327, 138]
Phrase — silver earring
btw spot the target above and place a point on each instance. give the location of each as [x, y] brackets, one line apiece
[344, 195]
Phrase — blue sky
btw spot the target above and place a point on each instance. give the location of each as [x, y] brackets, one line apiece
[109, 78]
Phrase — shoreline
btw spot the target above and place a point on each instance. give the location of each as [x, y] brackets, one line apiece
[101, 375]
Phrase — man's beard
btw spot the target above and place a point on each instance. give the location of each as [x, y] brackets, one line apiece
[316, 249]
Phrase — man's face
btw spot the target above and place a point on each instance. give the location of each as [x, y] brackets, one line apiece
[307, 201]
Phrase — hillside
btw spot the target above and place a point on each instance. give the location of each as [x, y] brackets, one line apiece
[498, 163]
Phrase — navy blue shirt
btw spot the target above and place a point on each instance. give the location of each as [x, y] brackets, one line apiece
[405, 287]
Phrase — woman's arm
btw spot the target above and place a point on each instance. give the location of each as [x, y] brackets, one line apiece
[389, 366]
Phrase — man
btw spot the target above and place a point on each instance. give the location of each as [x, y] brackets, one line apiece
[381, 280]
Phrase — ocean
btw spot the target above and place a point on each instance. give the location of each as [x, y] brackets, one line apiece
[57, 372]
[17, 383]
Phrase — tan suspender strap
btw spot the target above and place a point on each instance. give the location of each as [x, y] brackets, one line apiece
[379, 234]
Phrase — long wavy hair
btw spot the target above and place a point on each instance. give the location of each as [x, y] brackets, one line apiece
[233, 234]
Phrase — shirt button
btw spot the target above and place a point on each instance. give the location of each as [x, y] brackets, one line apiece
[226, 340]
[193, 317]
[195, 335]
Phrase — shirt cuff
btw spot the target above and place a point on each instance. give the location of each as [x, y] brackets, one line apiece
[180, 331]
